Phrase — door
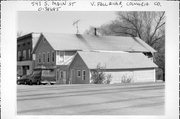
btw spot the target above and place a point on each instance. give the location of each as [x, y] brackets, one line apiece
[72, 77]
[64, 77]
[57, 76]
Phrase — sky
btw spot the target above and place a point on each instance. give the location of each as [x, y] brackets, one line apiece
[61, 22]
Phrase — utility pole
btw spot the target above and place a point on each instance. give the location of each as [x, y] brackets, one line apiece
[75, 23]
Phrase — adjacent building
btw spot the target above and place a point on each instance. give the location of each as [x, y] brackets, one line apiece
[25, 45]
[69, 56]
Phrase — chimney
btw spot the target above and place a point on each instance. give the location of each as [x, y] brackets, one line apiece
[95, 31]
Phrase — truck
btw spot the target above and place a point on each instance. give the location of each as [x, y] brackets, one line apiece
[42, 76]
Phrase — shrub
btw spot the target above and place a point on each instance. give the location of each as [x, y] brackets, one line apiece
[126, 79]
[99, 77]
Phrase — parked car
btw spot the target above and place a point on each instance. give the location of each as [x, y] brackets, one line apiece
[23, 80]
[18, 76]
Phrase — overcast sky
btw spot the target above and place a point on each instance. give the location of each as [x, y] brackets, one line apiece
[61, 22]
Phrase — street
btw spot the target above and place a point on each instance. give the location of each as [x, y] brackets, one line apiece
[91, 99]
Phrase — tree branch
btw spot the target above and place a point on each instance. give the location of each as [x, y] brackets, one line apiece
[157, 25]
[124, 33]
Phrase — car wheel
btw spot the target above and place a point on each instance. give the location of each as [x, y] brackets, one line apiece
[38, 82]
[30, 82]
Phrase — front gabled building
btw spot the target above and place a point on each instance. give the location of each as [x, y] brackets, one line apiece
[55, 51]
[134, 66]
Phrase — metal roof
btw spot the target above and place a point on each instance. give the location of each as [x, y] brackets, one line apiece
[116, 60]
[91, 42]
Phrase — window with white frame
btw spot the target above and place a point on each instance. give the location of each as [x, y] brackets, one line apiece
[83, 75]
[24, 54]
[78, 73]
[39, 58]
[62, 56]
[53, 55]
[19, 55]
[48, 57]
[44, 57]
[29, 53]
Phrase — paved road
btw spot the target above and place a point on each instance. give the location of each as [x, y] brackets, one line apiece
[138, 99]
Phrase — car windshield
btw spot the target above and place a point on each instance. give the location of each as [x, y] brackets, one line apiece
[24, 76]
[36, 73]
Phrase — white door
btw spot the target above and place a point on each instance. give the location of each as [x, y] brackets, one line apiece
[72, 77]
[64, 77]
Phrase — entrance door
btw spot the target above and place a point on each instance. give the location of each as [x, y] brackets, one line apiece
[72, 77]
[64, 77]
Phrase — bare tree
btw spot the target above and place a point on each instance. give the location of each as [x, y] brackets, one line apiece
[145, 25]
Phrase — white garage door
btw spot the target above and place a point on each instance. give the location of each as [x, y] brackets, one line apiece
[147, 75]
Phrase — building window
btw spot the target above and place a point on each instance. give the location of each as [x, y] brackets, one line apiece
[18, 46]
[29, 53]
[48, 57]
[83, 75]
[62, 56]
[44, 57]
[24, 54]
[28, 43]
[19, 55]
[53, 56]
[39, 58]
[78, 73]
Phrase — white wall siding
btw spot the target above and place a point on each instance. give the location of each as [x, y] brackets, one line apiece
[144, 75]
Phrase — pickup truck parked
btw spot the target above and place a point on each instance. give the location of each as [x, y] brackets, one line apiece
[39, 76]
[43, 76]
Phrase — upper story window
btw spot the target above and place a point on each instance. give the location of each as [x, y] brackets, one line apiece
[53, 56]
[24, 44]
[48, 57]
[19, 55]
[29, 53]
[44, 57]
[24, 54]
[28, 43]
[39, 58]
[62, 55]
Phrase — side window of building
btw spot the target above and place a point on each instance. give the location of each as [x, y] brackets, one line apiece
[62, 56]
[48, 57]
[29, 53]
[53, 55]
[78, 73]
[39, 58]
[19, 55]
[24, 54]
[44, 57]
[83, 75]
